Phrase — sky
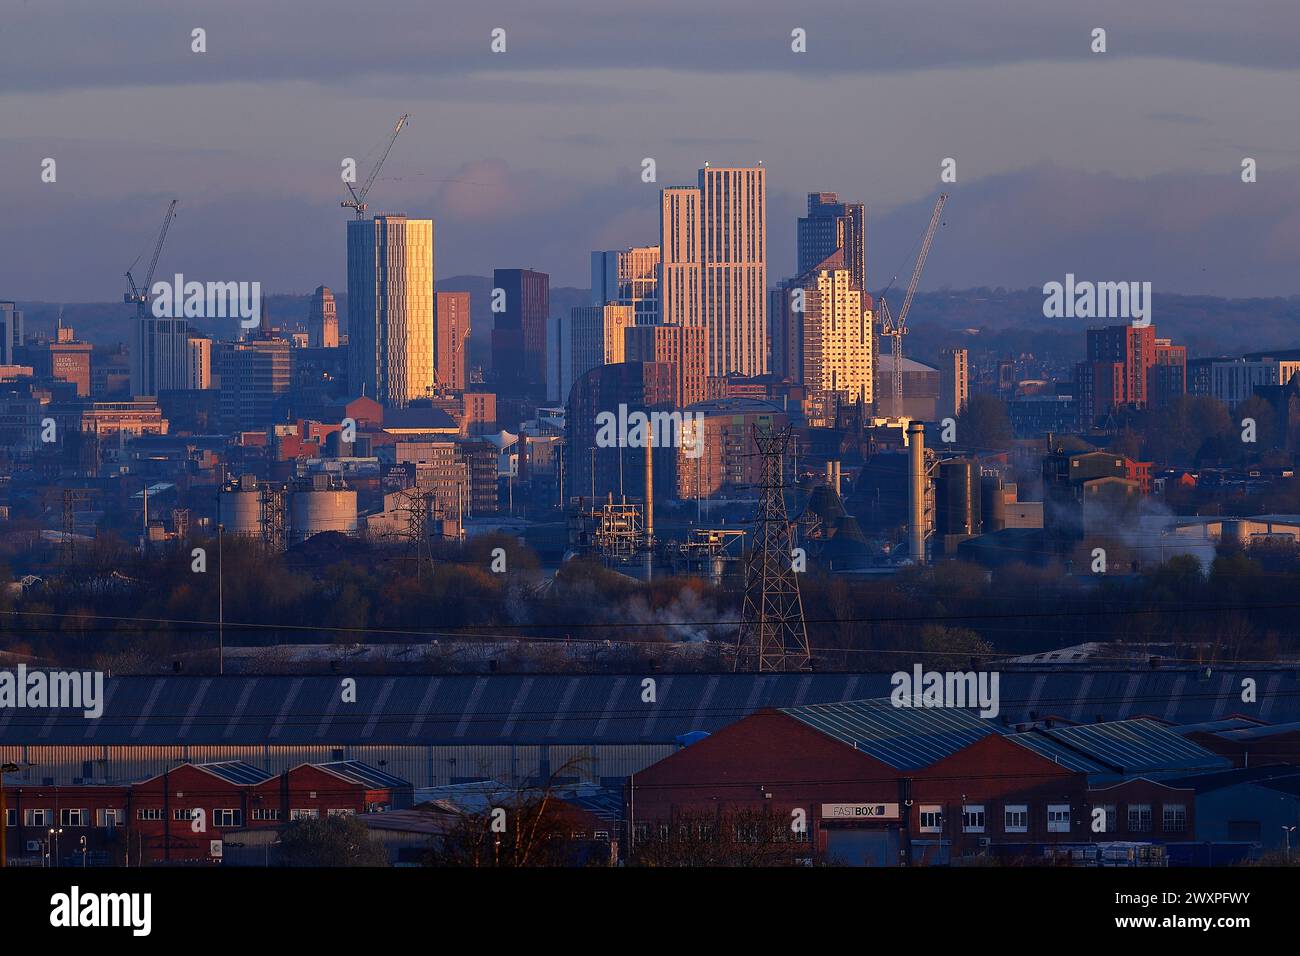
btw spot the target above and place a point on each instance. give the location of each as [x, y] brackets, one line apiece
[1123, 165]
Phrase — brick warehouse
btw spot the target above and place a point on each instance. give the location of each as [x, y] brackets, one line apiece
[183, 814]
[878, 784]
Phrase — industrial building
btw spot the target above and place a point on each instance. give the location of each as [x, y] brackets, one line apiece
[183, 813]
[441, 729]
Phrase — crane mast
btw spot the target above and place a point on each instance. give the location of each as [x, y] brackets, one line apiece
[358, 200]
[140, 295]
[895, 329]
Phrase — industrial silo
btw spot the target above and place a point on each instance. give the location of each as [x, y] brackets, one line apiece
[239, 507]
[318, 506]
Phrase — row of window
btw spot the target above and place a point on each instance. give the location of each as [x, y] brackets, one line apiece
[1015, 818]
[115, 816]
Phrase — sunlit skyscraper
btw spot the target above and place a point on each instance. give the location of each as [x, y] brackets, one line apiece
[733, 273]
[391, 308]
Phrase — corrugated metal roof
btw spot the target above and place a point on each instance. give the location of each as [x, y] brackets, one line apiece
[1058, 753]
[236, 771]
[364, 774]
[1255, 732]
[906, 738]
[1129, 746]
[577, 708]
[1217, 726]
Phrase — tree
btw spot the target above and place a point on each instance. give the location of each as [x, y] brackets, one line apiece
[331, 841]
[983, 424]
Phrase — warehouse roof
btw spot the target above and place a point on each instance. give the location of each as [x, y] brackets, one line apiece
[906, 738]
[235, 771]
[357, 772]
[1122, 746]
[577, 708]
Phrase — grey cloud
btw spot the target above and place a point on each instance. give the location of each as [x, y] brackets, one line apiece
[84, 43]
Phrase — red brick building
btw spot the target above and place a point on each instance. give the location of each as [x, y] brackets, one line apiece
[181, 816]
[877, 784]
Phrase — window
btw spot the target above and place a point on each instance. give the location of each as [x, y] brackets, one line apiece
[1109, 819]
[226, 817]
[664, 832]
[108, 817]
[972, 818]
[341, 812]
[1058, 818]
[1174, 817]
[73, 817]
[642, 831]
[601, 835]
[149, 813]
[266, 813]
[931, 818]
[11, 817]
[1015, 818]
[36, 818]
[1139, 818]
[185, 815]
[304, 814]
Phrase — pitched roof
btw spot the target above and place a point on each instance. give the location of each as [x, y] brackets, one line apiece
[906, 738]
[1122, 746]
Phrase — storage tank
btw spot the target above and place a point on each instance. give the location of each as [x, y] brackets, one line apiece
[239, 507]
[312, 511]
[993, 503]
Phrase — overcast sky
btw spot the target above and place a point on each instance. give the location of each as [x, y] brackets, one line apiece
[1123, 165]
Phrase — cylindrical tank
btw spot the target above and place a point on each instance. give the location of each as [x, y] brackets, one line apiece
[993, 503]
[312, 512]
[958, 498]
[240, 512]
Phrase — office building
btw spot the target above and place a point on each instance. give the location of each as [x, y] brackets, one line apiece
[451, 326]
[680, 346]
[832, 226]
[390, 308]
[733, 268]
[519, 332]
[628, 277]
[679, 267]
[954, 381]
[11, 332]
[823, 338]
[65, 359]
[596, 337]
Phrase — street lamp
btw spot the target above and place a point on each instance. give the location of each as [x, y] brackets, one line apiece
[53, 844]
[221, 602]
[1289, 831]
[83, 852]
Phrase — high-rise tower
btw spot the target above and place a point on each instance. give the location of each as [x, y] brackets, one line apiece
[390, 308]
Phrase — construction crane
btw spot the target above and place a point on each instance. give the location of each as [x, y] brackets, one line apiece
[895, 329]
[139, 295]
[358, 200]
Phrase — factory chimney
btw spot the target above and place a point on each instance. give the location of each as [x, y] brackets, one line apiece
[916, 492]
[649, 495]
